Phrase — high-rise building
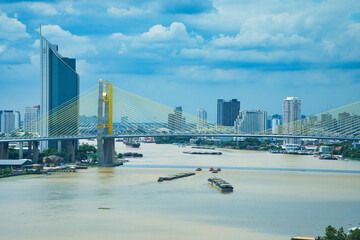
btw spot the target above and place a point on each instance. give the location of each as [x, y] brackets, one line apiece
[251, 121]
[227, 112]
[201, 118]
[31, 119]
[291, 114]
[275, 122]
[7, 121]
[59, 89]
[175, 120]
[17, 119]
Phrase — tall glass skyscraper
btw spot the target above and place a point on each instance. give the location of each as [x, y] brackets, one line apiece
[227, 112]
[59, 92]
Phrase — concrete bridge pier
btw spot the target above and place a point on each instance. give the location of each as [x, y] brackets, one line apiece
[35, 152]
[59, 146]
[109, 152]
[21, 150]
[4, 150]
[29, 152]
[70, 146]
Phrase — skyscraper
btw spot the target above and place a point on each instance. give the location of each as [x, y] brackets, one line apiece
[201, 118]
[175, 120]
[251, 121]
[291, 114]
[7, 121]
[227, 111]
[275, 122]
[17, 119]
[59, 85]
[31, 119]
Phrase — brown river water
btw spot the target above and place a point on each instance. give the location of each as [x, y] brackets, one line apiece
[275, 197]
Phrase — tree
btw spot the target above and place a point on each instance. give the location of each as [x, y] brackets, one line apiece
[332, 234]
[13, 153]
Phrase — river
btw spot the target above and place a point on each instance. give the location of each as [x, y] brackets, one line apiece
[275, 197]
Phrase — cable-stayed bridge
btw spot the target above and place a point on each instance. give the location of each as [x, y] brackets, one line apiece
[106, 112]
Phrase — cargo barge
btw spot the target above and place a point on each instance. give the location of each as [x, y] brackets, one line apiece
[220, 184]
[204, 153]
[175, 176]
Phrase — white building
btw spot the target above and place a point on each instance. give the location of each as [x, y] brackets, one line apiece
[251, 121]
[17, 119]
[291, 114]
[7, 121]
[201, 118]
[31, 119]
[275, 122]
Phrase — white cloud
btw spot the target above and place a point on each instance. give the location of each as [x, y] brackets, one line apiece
[126, 11]
[11, 28]
[43, 8]
[165, 40]
[70, 45]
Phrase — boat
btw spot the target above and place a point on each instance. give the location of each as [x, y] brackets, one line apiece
[204, 153]
[199, 169]
[175, 176]
[220, 184]
[211, 169]
[132, 144]
[327, 157]
[215, 171]
[209, 148]
[218, 169]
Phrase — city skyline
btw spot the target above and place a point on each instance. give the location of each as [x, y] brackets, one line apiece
[189, 59]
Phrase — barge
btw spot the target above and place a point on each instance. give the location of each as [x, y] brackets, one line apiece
[175, 176]
[220, 184]
[204, 153]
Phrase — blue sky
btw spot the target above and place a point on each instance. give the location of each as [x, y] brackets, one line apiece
[190, 53]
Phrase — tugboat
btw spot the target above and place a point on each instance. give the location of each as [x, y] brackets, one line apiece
[132, 144]
[220, 184]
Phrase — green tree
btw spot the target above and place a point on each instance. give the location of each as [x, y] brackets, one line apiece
[13, 153]
[354, 235]
[332, 234]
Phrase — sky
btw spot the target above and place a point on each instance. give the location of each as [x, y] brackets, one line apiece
[190, 53]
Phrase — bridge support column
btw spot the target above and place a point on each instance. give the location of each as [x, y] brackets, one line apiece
[59, 146]
[109, 151]
[4, 150]
[70, 149]
[21, 150]
[29, 152]
[35, 152]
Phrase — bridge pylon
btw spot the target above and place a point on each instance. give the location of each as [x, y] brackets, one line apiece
[106, 147]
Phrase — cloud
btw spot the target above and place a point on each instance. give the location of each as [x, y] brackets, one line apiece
[11, 28]
[70, 45]
[158, 39]
[158, 33]
[43, 8]
[187, 6]
[126, 11]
